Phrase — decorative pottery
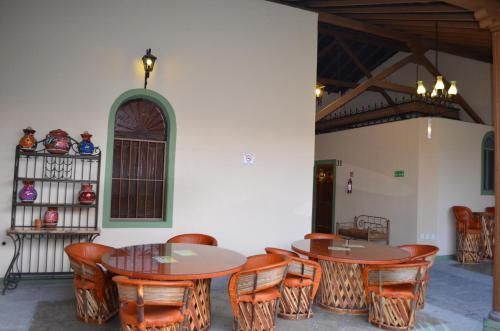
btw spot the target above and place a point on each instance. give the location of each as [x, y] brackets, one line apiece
[86, 196]
[28, 193]
[50, 217]
[57, 142]
[28, 141]
[86, 147]
[38, 223]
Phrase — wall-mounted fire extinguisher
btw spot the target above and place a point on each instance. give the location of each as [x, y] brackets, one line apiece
[349, 186]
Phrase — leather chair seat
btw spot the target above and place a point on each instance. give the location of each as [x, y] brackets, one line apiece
[266, 295]
[153, 315]
[404, 291]
[296, 281]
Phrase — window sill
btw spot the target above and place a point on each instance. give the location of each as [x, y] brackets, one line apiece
[136, 224]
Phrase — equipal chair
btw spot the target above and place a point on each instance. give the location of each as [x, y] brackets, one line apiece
[193, 238]
[468, 230]
[96, 295]
[300, 286]
[255, 291]
[422, 253]
[318, 235]
[392, 293]
[147, 305]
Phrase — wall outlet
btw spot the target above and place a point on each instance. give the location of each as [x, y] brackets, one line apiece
[433, 236]
[427, 236]
[422, 236]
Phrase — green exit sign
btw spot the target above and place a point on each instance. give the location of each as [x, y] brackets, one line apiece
[399, 173]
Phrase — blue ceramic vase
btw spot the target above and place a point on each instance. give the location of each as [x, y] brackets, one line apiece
[86, 146]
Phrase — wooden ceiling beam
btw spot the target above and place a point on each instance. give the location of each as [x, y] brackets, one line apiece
[325, 50]
[343, 3]
[459, 17]
[431, 24]
[397, 10]
[363, 27]
[458, 98]
[396, 87]
[337, 103]
[367, 39]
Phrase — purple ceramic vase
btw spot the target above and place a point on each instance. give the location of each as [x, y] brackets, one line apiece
[50, 217]
[28, 193]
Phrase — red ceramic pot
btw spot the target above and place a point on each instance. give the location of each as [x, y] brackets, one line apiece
[50, 217]
[28, 141]
[86, 196]
[57, 142]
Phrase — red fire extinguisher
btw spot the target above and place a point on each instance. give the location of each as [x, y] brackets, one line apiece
[349, 186]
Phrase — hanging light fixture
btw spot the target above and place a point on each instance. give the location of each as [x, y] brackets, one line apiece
[439, 90]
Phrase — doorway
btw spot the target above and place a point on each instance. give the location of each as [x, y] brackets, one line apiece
[323, 218]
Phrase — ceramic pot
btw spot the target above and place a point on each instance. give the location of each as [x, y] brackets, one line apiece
[28, 193]
[86, 147]
[50, 217]
[28, 141]
[86, 196]
[57, 142]
[38, 223]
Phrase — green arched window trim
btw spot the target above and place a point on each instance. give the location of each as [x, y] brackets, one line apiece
[489, 135]
[169, 187]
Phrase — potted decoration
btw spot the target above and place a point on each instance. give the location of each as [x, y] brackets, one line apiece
[86, 196]
[50, 217]
[28, 192]
[28, 141]
[86, 147]
[57, 142]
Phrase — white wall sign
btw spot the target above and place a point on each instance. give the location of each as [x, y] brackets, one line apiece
[248, 158]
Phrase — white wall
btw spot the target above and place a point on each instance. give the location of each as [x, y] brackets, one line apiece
[439, 173]
[473, 81]
[238, 74]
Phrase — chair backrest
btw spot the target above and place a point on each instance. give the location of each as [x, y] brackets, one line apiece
[318, 235]
[83, 258]
[490, 210]
[147, 292]
[463, 215]
[260, 272]
[193, 238]
[410, 272]
[272, 250]
[422, 252]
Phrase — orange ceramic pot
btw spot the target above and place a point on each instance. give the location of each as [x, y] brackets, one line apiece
[28, 141]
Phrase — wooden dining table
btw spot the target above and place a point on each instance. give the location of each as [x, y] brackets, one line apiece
[341, 287]
[198, 263]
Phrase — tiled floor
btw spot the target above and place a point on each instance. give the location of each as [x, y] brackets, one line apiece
[459, 297]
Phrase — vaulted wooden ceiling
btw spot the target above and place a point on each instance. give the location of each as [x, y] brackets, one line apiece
[356, 36]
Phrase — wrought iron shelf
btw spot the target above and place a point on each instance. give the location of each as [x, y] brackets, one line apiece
[39, 252]
[55, 231]
[37, 179]
[57, 205]
[64, 156]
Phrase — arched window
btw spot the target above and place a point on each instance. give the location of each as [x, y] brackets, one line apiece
[139, 163]
[488, 164]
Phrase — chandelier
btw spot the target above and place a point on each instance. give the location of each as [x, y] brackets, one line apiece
[439, 90]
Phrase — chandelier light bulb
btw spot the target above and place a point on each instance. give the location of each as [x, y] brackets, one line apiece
[421, 88]
[434, 92]
[319, 91]
[439, 83]
[453, 88]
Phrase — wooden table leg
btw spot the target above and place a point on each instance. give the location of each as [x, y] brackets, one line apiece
[199, 312]
[341, 288]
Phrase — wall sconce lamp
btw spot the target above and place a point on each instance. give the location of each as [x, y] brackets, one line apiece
[148, 61]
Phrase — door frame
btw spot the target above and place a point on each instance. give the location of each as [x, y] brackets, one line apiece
[333, 162]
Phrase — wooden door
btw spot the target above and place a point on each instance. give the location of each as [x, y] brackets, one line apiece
[324, 197]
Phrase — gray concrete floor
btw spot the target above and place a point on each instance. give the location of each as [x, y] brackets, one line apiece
[459, 297]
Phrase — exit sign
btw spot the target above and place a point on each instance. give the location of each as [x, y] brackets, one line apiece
[399, 173]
